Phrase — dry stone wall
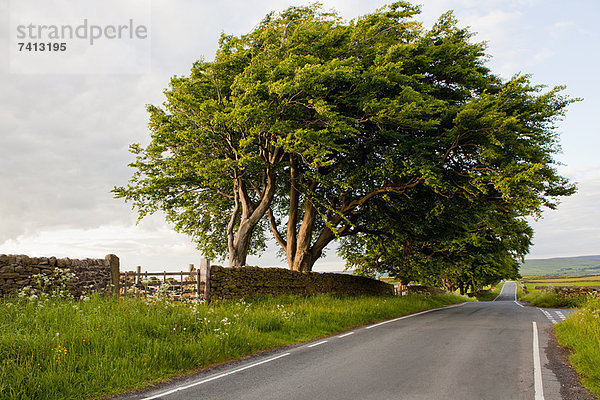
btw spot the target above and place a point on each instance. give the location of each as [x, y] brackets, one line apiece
[567, 292]
[238, 282]
[16, 271]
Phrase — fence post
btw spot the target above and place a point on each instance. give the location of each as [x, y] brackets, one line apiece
[126, 283]
[115, 273]
[198, 284]
[204, 269]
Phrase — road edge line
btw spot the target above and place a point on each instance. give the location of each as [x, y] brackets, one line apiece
[537, 365]
[413, 315]
[212, 378]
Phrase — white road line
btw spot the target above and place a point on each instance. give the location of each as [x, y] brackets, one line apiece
[156, 396]
[413, 315]
[561, 315]
[501, 290]
[346, 334]
[519, 304]
[537, 366]
[548, 315]
[317, 344]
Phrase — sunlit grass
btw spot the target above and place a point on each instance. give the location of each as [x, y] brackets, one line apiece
[60, 348]
[581, 332]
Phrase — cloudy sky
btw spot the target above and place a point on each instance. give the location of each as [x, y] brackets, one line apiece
[66, 120]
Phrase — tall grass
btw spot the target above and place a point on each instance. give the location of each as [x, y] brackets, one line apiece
[581, 332]
[64, 348]
[551, 299]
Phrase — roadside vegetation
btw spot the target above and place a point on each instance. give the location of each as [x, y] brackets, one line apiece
[550, 299]
[581, 333]
[59, 348]
[490, 293]
[541, 293]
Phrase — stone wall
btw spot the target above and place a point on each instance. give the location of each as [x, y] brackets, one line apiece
[16, 271]
[566, 292]
[238, 282]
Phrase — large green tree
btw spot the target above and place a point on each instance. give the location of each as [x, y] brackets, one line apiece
[308, 121]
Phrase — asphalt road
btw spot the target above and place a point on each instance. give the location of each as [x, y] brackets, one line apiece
[491, 350]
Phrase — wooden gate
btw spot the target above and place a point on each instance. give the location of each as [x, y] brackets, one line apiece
[190, 284]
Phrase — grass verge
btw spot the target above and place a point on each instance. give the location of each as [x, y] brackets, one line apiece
[581, 333]
[60, 348]
[550, 299]
[491, 294]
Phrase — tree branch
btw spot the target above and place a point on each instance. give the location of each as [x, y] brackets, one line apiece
[276, 234]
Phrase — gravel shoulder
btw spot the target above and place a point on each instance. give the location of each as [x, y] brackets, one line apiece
[570, 385]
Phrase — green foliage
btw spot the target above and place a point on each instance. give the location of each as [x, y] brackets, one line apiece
[551, 299]
[68, 349]
[581, 333]
[56, 284]
[375, 127]
[489, 295]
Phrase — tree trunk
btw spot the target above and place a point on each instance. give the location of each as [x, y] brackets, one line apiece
[302, 258]
[251, 214]
[241, 245]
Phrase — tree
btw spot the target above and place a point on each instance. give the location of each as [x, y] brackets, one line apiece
[460, 243]
[309, 120]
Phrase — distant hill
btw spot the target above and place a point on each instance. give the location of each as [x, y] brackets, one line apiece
[582, 265]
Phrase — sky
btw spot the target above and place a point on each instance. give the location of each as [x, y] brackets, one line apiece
[68, 118]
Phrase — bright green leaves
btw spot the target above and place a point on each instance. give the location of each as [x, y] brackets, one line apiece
[375, 127]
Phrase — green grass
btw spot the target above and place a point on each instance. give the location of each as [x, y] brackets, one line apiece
[588, 265]
[549, 299]
[531, 286]
[492, 294]
[581, 333]
[541, 297]
[59, 349]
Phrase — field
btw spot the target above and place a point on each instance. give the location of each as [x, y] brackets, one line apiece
[57, 348]
[563, 266]
[541, 298]
[531, 282]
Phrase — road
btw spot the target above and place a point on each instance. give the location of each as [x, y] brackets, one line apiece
[491, 350]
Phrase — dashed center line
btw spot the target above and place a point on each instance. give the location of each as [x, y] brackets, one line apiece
[553, 318]
[346, 334]
[317, 344]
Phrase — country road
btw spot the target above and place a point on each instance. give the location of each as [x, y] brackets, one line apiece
[490, 350]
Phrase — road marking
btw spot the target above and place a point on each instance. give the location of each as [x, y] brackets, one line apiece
[413, 315]
[548, 315]
[537, 366]
[519, 304]
[561, 315]
[504, 287]
[212, 378]
[317, 344]
[346, 334]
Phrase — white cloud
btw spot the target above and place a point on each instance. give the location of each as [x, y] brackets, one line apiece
[64, 137]
[574, 228]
